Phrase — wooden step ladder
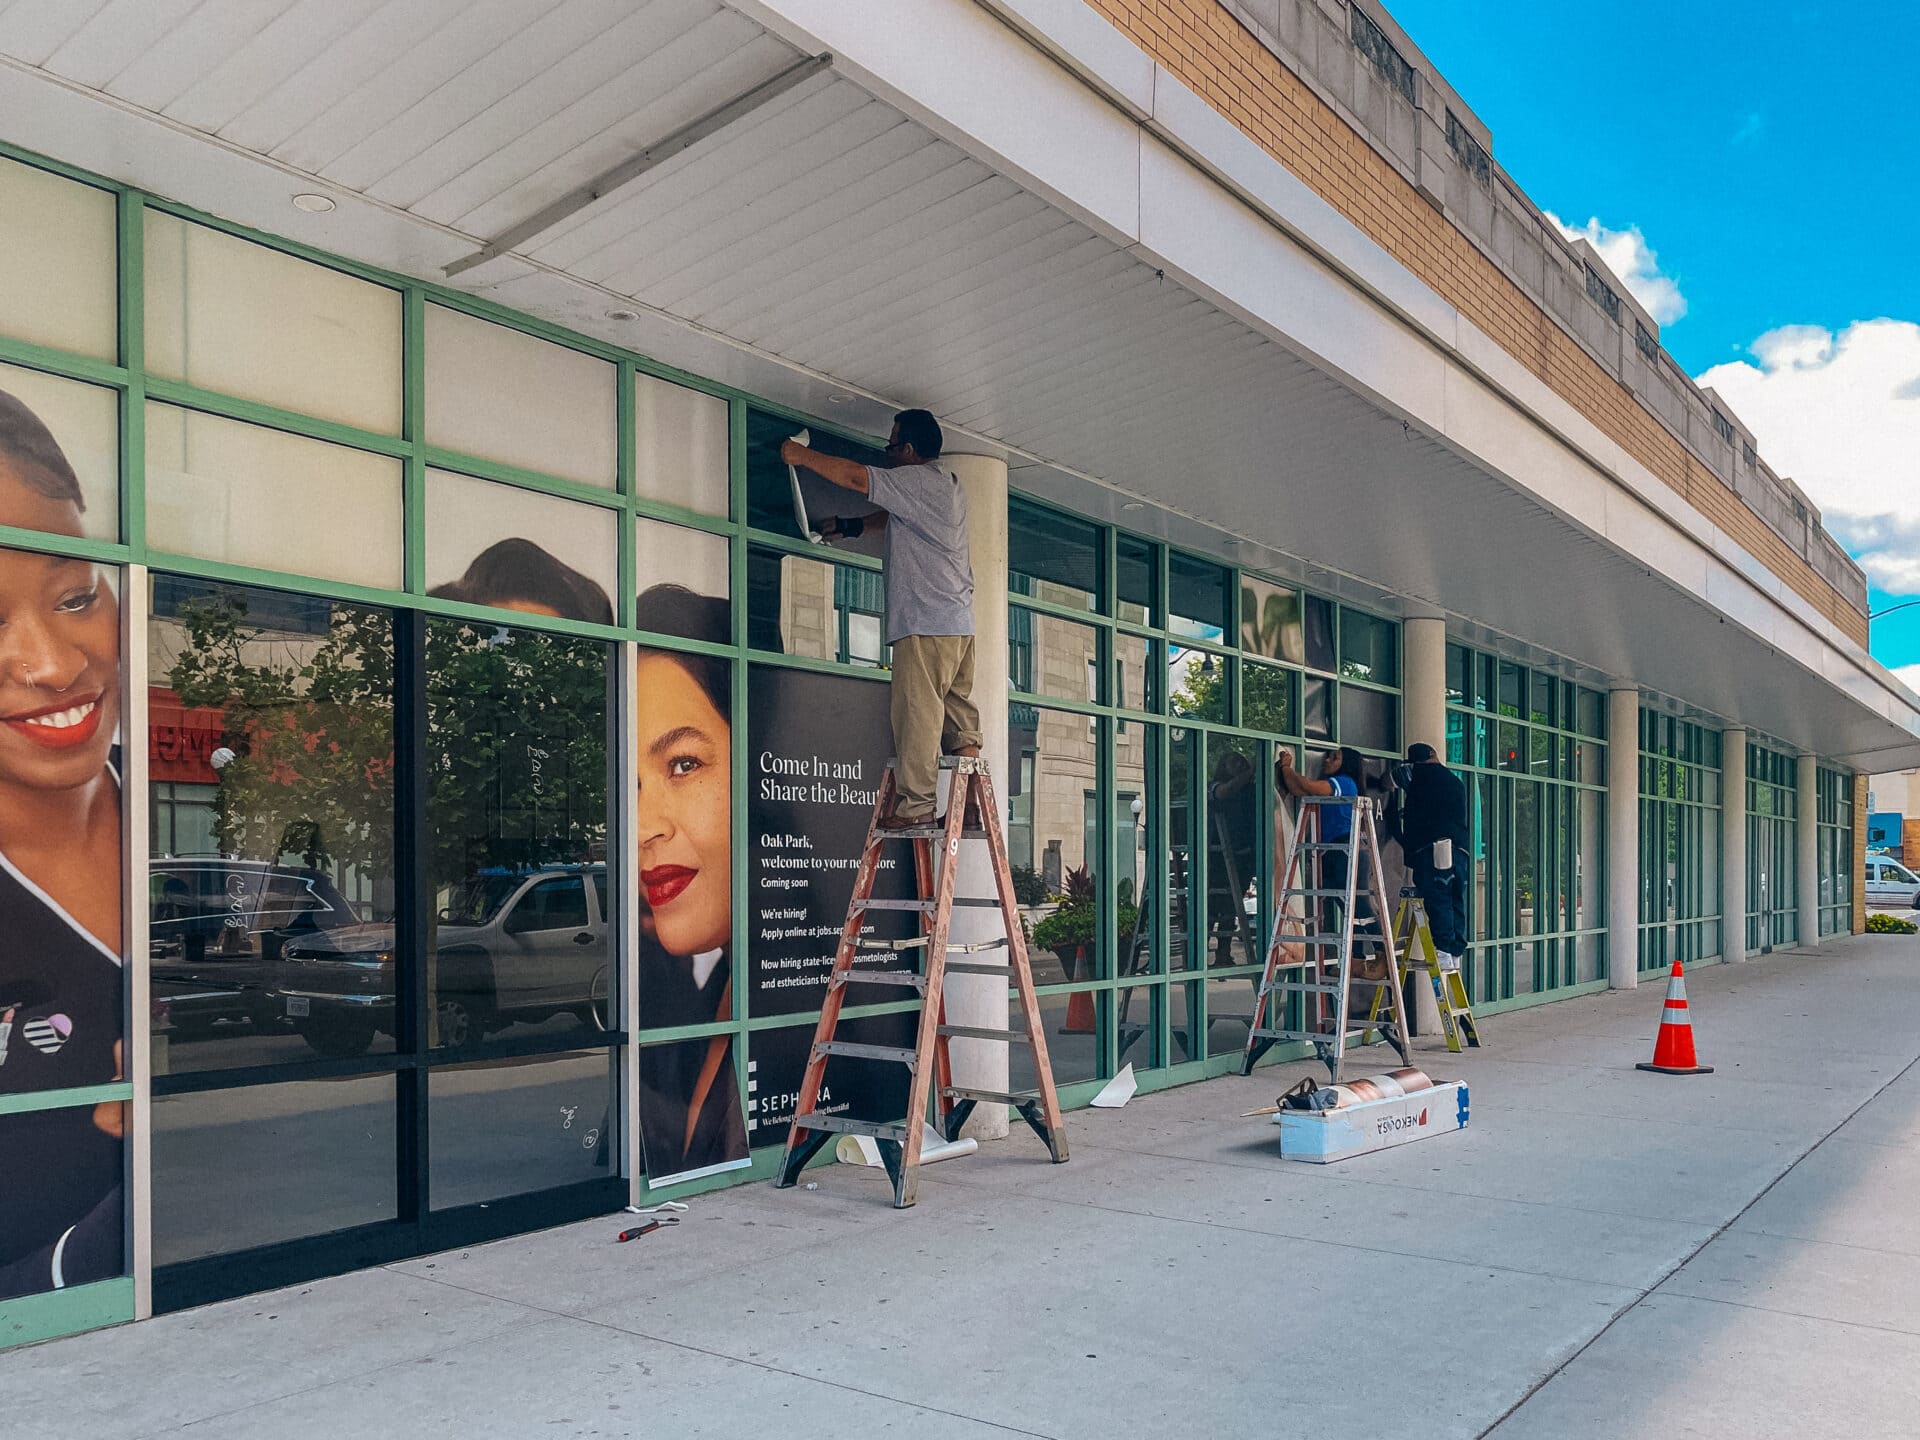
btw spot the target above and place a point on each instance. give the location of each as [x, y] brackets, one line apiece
[1307, 1000]
[970, 796]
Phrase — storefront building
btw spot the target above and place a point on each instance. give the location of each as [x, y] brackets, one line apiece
[435, 749]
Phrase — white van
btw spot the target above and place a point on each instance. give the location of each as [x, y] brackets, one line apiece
[1891, 883]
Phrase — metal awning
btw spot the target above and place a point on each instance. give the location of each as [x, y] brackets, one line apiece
[849, 236]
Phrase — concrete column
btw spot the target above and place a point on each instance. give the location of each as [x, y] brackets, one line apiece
[1806, 845]
[1623, 839]
[980, 999]
[1423, 702]
[1733, 845]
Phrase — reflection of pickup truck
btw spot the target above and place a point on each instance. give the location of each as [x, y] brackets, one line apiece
[511, 945]
[216, 931]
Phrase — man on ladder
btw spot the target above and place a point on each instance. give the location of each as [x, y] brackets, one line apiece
[1433, 833]
[929, 590]
[929, 580]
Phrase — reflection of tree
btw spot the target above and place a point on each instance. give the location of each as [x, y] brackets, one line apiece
[1270, 624]
[515, 744]
[1266, 698]
[1202, 689]
[313, 772]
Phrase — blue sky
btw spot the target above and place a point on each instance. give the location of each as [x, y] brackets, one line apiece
[1768, 155]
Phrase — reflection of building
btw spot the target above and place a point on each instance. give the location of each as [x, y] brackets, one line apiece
[1893, 824]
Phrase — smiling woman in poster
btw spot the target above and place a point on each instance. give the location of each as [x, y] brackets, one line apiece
[690, 1104]
[60, 972]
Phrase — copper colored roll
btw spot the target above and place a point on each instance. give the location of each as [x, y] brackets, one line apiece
[1404, 1081]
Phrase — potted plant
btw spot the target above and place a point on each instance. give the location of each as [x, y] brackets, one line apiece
[1071, 929]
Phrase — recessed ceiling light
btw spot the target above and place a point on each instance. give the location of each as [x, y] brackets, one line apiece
[620, 314]
[313, 204]
[840, 397]
[1134, 505]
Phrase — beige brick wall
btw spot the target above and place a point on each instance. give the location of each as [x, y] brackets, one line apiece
[1209, 51]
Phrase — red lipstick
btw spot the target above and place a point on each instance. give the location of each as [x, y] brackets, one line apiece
[665, 882]
[59, 727]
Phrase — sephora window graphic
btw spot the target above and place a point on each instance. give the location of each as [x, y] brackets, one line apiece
[61, 988]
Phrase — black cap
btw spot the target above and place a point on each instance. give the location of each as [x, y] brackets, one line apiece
[1421, 752]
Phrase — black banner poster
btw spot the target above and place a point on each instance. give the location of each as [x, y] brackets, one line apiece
[864, 1089]
[819, 745]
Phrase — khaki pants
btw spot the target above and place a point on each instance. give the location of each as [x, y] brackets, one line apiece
[933, 714]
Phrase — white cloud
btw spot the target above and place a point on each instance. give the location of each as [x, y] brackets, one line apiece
[1909, 676]
[1840, 413]
[1630, 258]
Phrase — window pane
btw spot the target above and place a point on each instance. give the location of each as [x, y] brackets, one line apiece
[770, 487]
[1270, 621]
[1198, 596]
[1198, 683]
[72, 434]
[247, 495]
[797, 605]
[1316, 709]
[1183, 823]
[1369, 719]
[1137, 1025]
[1064, 659]
[1319, 632]
[1136, 562]
[233, 1169]
[1233, 816]
[1133, 661]
[1267, 698]
[540, 1123]
[271, 888]
[59, 286]
[1073, 1048]
[516, 758]
[1055, 782]
[1369, 648]
[1459, 675]
[491, 544]
[226, 314]
[507, 396]
[1052, 557]
[670, 559]
[680, 446]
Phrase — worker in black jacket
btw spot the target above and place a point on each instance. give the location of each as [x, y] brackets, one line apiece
[1433, 813]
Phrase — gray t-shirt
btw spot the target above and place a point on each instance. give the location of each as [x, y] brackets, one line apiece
[929, 579]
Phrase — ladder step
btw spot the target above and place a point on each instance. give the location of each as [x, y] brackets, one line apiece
[909, 979]
[974, 967]
[976, 1032]
[924, 907]
[1304, 988]
[1360, 893]
[998, 1097]
[919, 942]
[1322, 1037]
[898, 1054]
[921, 832]
[841, 1125]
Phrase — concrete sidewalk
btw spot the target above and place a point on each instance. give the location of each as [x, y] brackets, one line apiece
[1602, 1253]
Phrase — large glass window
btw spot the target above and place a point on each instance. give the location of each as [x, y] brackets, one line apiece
[1680, 819]
[680, 446]
[72, 431]
[1773, 852]
[500, 545]
[1834, 846]
[1537, 815]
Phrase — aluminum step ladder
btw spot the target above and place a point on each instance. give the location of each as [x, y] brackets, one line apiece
[1308, 1000]
[970, 796]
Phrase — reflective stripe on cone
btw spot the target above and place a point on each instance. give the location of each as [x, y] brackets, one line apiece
[1673, 1047]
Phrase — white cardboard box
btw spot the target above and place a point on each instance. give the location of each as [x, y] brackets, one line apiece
[1320, 1137]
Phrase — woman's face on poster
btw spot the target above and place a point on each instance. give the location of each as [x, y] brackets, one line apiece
[59, 651]
[685, 809]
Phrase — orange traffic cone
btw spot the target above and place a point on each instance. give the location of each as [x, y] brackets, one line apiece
[1673, 1048]
[1079, 1014]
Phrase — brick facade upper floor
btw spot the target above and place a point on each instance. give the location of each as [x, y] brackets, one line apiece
[1337, 93]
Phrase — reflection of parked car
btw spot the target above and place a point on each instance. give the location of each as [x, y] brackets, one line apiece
[511, 945]
[217, 928]
[1891, 883]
